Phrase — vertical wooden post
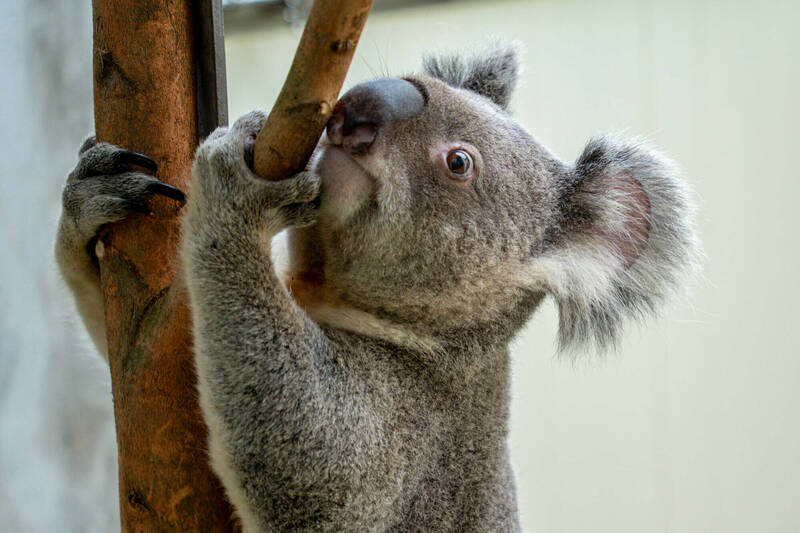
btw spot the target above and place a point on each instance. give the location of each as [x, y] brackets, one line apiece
[145, 100]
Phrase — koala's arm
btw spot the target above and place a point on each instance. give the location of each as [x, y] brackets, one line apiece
[270, 387]
[105, 186]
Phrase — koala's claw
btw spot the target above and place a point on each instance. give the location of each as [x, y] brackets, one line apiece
[126, 157]
[159, 187]
[119, 155]
[107, 185]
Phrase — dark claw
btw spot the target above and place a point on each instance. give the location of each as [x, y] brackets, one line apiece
[134, 158]
[249, 152]
[159, 187]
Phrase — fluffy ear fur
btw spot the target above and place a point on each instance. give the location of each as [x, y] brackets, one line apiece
[624, 241]
[492, 74]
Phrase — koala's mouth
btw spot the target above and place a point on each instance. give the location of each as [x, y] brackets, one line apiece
[336, 163]
[346, 184]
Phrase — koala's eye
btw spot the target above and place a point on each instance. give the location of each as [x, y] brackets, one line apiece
[459, 163]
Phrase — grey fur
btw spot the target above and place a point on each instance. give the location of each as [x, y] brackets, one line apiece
[382, 403]
[492, 74]
[662, 265]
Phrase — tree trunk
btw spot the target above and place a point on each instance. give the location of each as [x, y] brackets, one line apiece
[145, 100]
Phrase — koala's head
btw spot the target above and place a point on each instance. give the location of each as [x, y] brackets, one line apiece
[440, 211]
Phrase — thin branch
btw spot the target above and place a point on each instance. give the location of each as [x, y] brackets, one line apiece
[305, 103]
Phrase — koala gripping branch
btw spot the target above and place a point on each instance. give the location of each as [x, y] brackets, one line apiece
[145, 97]
[305, 103]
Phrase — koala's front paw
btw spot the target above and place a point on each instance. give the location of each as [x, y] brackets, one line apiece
[223, 178]
[106, 187]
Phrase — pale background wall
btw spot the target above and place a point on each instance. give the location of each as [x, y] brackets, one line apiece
[691, 426]
[57, 447]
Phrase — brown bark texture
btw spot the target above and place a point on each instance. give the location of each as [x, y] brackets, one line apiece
[145, 100]
[305, 103]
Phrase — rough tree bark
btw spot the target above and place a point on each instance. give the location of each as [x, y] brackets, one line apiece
[145, 100]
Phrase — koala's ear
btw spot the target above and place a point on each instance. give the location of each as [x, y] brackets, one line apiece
[492, 74]
[624, 241]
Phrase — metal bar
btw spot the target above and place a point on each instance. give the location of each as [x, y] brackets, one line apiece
[212, 96]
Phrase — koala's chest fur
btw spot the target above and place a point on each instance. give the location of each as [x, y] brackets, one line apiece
[434, 460]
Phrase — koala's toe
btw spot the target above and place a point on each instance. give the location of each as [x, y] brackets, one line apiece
[300, 214]
[299, 189]
[249, 124]
[305, 187]
[107, 159]
[105, 209]
[98, 200]
[88, 143]
[217, 133]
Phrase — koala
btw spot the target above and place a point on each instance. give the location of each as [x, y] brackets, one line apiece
[365, 385]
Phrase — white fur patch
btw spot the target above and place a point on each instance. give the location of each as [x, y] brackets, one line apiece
[351, 319]
[368, 325]
[345, 185]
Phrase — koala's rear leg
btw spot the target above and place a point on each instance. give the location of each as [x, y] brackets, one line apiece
[108, 184]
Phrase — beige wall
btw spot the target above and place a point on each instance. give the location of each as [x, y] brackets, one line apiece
[693, 425]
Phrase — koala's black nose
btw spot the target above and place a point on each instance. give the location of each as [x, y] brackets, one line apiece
[366, 108]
